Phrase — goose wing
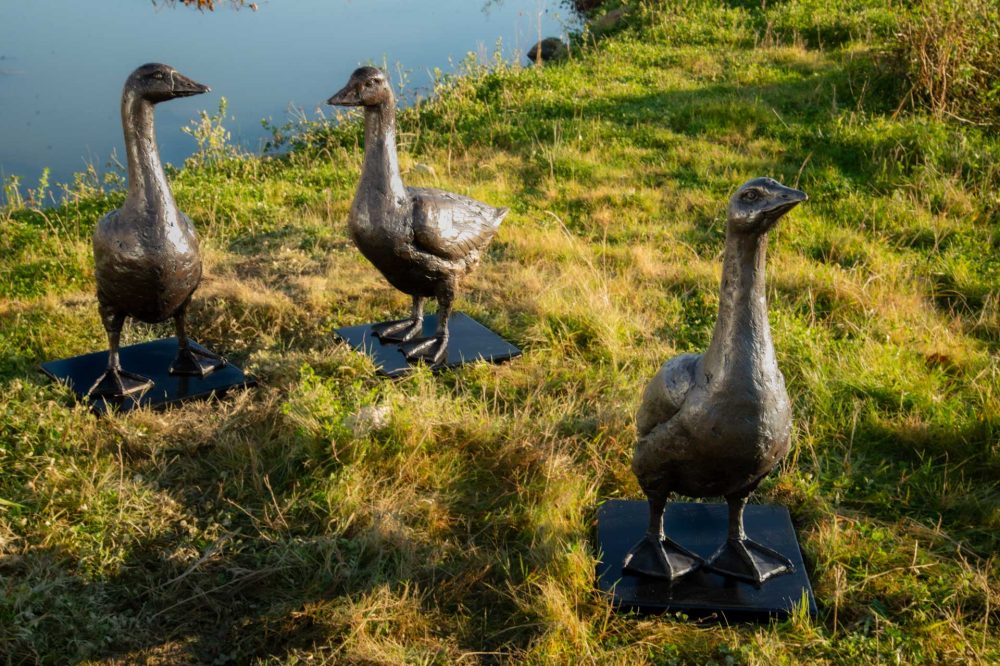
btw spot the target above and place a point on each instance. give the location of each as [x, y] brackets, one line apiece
[451, 226]
[666, 392]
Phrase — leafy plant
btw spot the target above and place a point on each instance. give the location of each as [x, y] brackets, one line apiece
[214, 140]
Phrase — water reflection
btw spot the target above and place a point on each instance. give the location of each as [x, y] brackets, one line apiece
[62, 63]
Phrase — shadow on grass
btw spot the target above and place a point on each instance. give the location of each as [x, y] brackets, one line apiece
[286, 571]
[949, 475]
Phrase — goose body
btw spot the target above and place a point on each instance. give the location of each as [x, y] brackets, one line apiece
[434, 236]
[146, 272]
[423, 240]
[715, 424]
[146, 256]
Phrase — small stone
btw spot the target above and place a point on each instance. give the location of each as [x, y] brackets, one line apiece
[369, 419]
[424, 169]
[608, 22]
[550, 48]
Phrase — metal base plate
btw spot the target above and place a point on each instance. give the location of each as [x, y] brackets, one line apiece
[152, 360]
[701, 595]
[469, 341]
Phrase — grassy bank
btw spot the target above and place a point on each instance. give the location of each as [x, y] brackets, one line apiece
[333, 516]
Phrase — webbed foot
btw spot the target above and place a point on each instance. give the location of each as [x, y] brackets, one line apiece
[118, 383]
[660, 558]
[195, 362]
[401, 330]
[433, 350]
[748, 561]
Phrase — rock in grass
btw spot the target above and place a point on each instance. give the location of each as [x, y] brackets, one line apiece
[424, 169]
[550, 48]
[368, 419]
[608, 22]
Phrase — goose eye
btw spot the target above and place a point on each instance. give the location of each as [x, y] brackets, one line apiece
[158, 76]
[750, 196]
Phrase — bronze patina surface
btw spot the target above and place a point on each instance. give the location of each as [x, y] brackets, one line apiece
[146, 253]
[715, 424]
[422, 240]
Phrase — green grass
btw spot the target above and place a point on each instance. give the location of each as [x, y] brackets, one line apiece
[281, 527]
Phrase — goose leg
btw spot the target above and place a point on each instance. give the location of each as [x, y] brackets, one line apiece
[657, 555]
[191, 361]
[402, 330]
[434, 349]
[741, 557]
[115, 382]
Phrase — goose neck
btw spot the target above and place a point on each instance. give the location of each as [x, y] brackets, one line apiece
[147, 183]
[741, 342]
[380, 172]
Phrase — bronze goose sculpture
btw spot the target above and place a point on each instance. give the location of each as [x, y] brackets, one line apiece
[146, 255]
[717, 423]
[422, 240]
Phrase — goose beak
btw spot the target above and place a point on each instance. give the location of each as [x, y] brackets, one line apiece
[785, 199]
[346, 96]
[797, 196]
[182, 86]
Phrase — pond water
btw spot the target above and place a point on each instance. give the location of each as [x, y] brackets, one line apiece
[63, 63]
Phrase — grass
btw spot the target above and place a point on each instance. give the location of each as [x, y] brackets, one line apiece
[331, 516]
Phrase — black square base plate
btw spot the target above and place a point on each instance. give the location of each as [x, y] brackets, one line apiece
[468, 341]
[700, 528]
[152, 360]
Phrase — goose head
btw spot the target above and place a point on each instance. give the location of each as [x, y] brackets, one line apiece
[759, 203]
[156, 83]
[368, 86]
